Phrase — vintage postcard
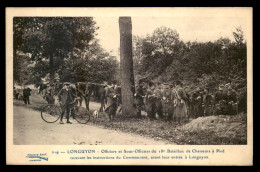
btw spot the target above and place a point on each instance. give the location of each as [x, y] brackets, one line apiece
[129, 86]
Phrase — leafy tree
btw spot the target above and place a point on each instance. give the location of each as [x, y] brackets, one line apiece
[20, 71]
[154, 53]
[163, 57]
[52, 37]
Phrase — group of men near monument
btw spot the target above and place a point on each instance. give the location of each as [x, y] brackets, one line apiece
[170, 102]
[173, 102]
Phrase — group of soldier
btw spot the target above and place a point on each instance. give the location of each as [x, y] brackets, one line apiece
[25, 96]
[170, 102]
[173, 102]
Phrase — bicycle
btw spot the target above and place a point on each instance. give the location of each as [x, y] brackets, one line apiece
[52, 112]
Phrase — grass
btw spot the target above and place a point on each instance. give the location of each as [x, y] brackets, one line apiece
[231, 132]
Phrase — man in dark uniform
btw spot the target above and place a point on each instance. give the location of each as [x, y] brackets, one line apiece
[111, 102]
[197, 103]
[188, 102]
[65, 99]
[167, 102]
[74, 96]
[26, 95]
[179, 103]
[119, 98]
[102, 94]
[151, 101]
[224, 107]
[139, 94]
[218, 100]
[207, 101]
[158, 95]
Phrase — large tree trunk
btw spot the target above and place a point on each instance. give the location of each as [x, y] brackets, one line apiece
[126, 66]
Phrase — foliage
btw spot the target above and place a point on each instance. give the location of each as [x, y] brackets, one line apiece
[62, 45]
[163, 57]
[20, 70]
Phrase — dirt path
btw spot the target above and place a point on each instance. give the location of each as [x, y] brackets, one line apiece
[30, 129]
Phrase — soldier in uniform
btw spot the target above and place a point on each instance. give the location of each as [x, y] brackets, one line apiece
[111, 102]
[72, 88]
[180, 108]
[119, 98]
[158, 95]
[188, 102]
[139, 102]
[150, 101]
[65, 98]
[224, 106]
[197, 103]
[87, 93]
[102, 95]
[26, 95]
[191, 111]
[207, 102]
[167, 103]
[218, 100]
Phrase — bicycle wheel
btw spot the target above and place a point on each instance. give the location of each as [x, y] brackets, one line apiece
[82, 115]
[50, 113]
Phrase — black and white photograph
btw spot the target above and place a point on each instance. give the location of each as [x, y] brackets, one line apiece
[131, 80]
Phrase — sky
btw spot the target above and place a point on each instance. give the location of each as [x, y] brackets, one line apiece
[201, 29]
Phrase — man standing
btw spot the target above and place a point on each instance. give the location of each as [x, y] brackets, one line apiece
[111, 102]
[158, 95]
[28, 90]
[224, 109]
[180, 108]
[197, 103]
[218, 98]
[26, 95]
[167, 107]
[65, 98]
[139, 94]
[151, 101]
[74, 96]
[102, 95]
[207, 101]
[119, 98]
